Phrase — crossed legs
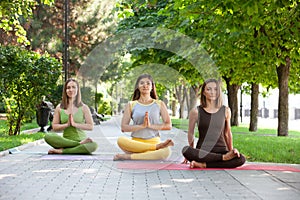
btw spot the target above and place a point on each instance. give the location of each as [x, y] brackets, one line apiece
[139, 149]
[201, 159]
[63, 145]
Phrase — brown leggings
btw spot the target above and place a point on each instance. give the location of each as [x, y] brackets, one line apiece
[212, 160]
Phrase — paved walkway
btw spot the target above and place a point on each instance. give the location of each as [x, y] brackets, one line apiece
[32, 174]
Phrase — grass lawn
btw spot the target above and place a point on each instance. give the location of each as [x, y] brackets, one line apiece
[7, 142]
[261, 146]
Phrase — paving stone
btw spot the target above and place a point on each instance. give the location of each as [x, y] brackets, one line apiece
[25, 175]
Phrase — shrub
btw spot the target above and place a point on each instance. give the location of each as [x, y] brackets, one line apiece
[25, 77]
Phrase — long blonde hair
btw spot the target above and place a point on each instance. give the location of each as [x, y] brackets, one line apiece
[219, 100]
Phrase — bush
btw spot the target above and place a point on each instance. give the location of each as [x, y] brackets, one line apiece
[25, 77]
[105, 108]
[2, 107]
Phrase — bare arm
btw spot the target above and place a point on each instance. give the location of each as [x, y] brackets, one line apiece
[227, 129]
[125, 126]
[193, 117]
[56, 125]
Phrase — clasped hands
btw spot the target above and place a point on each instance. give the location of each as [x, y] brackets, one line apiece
[146, 123]
[71, 121]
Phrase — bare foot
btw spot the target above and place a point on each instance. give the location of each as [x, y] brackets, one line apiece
[122, 157]
[86, 140]
[55, 151]
[195, 164]
[165, 144]
[231, 154]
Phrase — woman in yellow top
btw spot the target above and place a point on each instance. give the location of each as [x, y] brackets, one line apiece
[145, 110]
[72, 117]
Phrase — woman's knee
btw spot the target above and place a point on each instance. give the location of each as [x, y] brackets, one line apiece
[242, 160]
[185, 151]
[49, 137]
[122, 141]
[238, 161]
[165, 153]
[91, 147]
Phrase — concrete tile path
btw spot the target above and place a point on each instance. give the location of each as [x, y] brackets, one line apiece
[29, 173]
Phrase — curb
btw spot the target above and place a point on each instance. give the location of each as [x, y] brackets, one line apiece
[21, 148]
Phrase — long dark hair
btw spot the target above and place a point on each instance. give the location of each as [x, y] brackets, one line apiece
[219, 100]
[65, 99]
[136, 94]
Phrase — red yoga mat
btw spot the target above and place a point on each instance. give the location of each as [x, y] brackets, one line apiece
[179, 166]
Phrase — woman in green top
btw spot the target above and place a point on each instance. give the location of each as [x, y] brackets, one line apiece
[72, 117]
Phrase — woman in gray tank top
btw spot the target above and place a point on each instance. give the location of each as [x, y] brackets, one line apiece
[145, 110]
[214, 148]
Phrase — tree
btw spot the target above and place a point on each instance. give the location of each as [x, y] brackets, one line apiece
[249, 40]
[14, 14]
[25, 78]
[90, 22]
[140, 14]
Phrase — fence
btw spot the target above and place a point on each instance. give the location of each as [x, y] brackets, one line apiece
[294, 113]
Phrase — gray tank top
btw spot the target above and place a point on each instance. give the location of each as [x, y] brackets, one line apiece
[137, 115]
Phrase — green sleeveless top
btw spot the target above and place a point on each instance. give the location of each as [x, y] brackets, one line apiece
[72, 132]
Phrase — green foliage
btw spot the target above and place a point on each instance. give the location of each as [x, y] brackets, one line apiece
[248, 40]
[2, 107]
[144, 14]
[25, 126]
[55, 95]
[89, 24]
[14, 13]
[105, 108]
[26, 77]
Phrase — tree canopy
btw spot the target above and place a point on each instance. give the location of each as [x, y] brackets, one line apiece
[15, 13]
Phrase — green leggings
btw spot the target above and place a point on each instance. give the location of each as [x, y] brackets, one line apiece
[69, 146]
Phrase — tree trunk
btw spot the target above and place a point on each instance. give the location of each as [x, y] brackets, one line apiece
[18, 126]
[191, 99]
[233, 101]
[254, 107]
[182, 103]
[283, 72]
[179, 90]
[173, 105]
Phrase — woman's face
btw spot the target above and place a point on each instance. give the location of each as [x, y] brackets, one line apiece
[211, 91]
[71, 89]
[145, 85]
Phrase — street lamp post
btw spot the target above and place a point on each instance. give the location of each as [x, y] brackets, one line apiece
[66, 39]
[241, 105]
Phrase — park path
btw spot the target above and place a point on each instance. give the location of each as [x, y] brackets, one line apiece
[30, 173]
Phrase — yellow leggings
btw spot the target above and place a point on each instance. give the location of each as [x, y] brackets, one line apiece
[143, 149]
